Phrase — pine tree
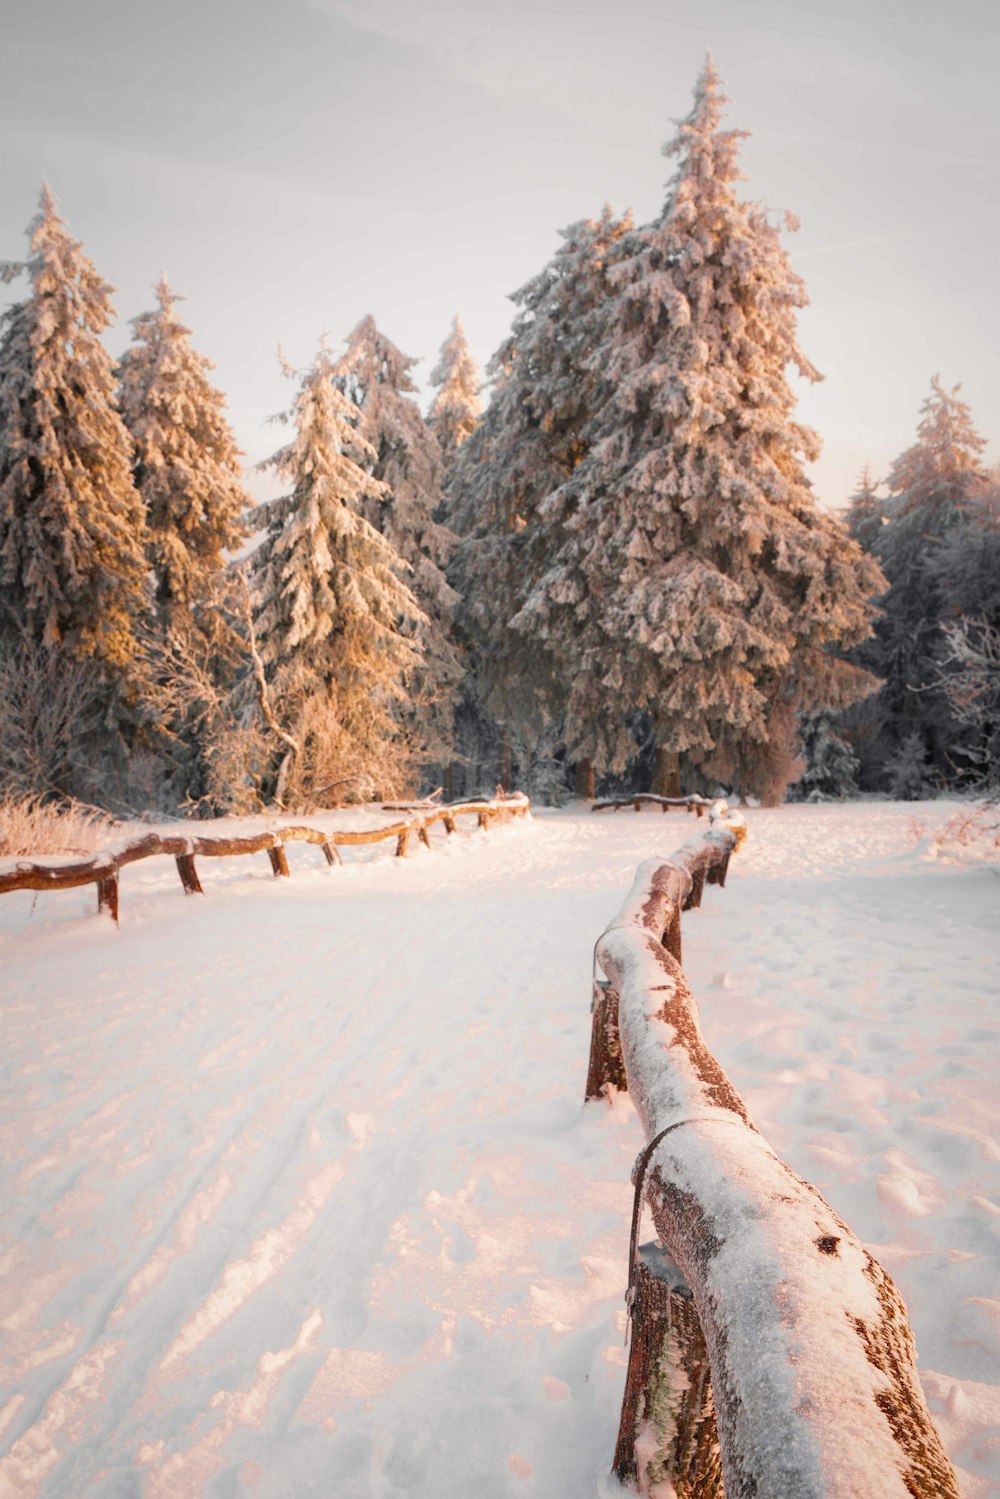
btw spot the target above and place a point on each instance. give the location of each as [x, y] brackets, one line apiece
[505, 492]
[712, 590]
[329, 599]
[456, 408]
[71, 527]
[831, 766]
[187, 465]
[867, 512]
[931, 488]
[407, 464]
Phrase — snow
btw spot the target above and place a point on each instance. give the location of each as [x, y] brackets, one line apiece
[303, 1198]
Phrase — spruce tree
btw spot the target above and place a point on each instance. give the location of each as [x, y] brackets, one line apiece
[867, 512]
[407, 464]
[505, 494]
[72, 567]
[933, 487]
[188, 468]
[712, 589]
[330, 597]
[456, 408]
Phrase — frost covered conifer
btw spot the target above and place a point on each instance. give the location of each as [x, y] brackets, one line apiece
[330, 597]
[831, 766]
[867, 512]
[406, 462]
[72, 567]
[505, 494]
[933, 487]
[456, 408]
[708, 588]
[187, 465]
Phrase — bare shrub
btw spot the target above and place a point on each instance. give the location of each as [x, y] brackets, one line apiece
[29, 825]
[51, 707]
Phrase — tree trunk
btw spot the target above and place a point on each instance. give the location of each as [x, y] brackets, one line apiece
[585, 779]
[666, 772]
[505, 757]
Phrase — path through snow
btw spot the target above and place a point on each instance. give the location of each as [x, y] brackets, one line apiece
[303, 1199]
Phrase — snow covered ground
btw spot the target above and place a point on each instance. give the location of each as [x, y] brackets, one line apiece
[301, 1198]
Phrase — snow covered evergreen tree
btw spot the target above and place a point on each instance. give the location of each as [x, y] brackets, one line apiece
[698, 580]
[375, 377]
[932, 486]
[71, 526]
[831, 766]
[187, 465]
[456, 408]
[330, 601]
[504, 492]
[867, 512]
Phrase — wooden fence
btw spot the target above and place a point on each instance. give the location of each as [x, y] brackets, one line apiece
[639, 799]
[771, 1356]
[184, 844]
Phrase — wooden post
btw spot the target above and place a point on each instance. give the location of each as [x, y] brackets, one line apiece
[697, 886]
[422, 835]
[449, 825]
[637, 804]
[718, 871]
[279, 861]
[606, 1068]
[107, 895]
[402, 843]
[484, 820]
[188, 874]
[332, 853]
[667, 1429]
[585, 779]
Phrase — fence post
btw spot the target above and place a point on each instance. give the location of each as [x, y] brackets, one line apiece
[189, 874]
[667, 1428]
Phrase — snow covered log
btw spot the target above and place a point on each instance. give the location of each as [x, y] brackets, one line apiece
[660, 892]
[813, 1364]
[66, 871]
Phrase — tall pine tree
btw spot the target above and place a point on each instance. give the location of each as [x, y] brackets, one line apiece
[505, 494]
[456, 407]
[933, 489]
[188, 468]
[71, 525]
[330, 599]
[712, 590]
[407, 464]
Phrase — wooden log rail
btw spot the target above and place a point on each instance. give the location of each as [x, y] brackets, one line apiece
[692, 803]
[771, 1355]
[59, 872]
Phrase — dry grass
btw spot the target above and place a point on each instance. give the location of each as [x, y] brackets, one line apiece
[30, 826]
[978, 824]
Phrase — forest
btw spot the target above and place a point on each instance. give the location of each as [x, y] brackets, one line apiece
[612, 574]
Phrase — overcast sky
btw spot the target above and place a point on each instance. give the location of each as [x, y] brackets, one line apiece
[293, 166]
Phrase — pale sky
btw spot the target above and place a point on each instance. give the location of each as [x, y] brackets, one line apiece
[295, 166]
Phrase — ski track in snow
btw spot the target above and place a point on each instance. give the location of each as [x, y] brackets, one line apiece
[302, 1199]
